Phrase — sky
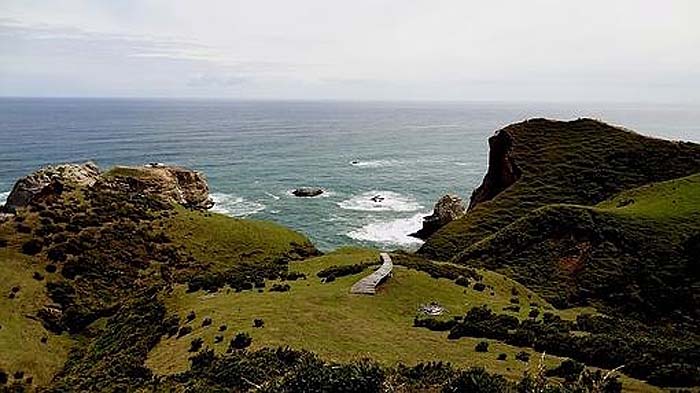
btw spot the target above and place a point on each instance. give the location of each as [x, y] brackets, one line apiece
[496, 50]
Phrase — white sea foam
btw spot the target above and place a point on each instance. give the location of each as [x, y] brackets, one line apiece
[235, 206]
[392, 201]
[391, 232]
[3, 197]
[273, 196]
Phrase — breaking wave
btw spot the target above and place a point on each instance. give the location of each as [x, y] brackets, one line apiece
[232, 205]
[391, 232]
[390, 201]
[3, 197]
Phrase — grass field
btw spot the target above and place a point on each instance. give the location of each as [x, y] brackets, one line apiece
[328, 320]
[21, 348]
[223, 240]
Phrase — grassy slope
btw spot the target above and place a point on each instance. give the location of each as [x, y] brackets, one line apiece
[216, 241]
[580, 162]
[632, 245]
[20, 336]
[327, 319]
[224, 241]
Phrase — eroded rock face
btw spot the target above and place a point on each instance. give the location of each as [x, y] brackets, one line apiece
[173, 183]
[50, 180]
[447, 209]
[502, 171]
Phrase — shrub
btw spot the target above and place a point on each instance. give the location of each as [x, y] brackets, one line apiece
[568, 369]
[513, 308]
[185, 330]
[479, 286]
[462, 281]
[218, 338]
[482, 346]
[343, 270]
[438, 325]
[522, 356]
[533, 313]
[3, 377]
[32, 247]
[258, 323]
[329, 278]
[3, 243]
[18, 375]
[240, 341]
[280, 288]
[196, 344]
[477, 380]
[206, 321]
[38, 276]
[223, 328]
[502, 356]
[51, 268]
[515, 300]
[191, 316]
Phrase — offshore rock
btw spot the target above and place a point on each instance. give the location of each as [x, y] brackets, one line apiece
[307, 192]
[447, 209]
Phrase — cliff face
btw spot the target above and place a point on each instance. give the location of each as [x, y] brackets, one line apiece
[447, 209]
[50, 180]
[172, 183]
[502, 171]
[539, 162]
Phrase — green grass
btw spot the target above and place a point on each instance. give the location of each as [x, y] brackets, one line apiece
[20, 335]
[339, 326]
[669, 201]
[626, 253]
[128, 171]
[582, 162]
[225, 241]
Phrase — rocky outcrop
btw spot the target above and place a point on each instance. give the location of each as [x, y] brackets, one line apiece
[50, 180]
[307, 192]
[447, 209]
[174, 184]
[171, 184]
[502, 171]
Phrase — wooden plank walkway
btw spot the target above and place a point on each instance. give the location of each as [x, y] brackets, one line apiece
[368, 285]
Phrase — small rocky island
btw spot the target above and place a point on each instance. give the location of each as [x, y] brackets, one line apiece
[307, 192]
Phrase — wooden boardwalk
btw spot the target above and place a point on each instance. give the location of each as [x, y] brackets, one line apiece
[368, 285]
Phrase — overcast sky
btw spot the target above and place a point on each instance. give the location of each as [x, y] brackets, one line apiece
[535, 50]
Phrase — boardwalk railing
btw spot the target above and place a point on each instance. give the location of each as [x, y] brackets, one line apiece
[368, 285]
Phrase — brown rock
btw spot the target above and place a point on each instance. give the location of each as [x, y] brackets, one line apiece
[447, 209]
[50, 180]
[502, 171]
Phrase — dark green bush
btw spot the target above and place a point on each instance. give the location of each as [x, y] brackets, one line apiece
[482, 346]
[240, 341]
[196, 344]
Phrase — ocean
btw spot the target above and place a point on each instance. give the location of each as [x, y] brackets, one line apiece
[255, 152]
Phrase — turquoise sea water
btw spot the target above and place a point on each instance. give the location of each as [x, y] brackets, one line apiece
[254, 153]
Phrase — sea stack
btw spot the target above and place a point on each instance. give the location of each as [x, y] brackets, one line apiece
[447, 209]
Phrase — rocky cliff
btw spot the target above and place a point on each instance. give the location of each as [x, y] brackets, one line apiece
[447, 209]
[50, 180]
[171, 184]
[502, 170]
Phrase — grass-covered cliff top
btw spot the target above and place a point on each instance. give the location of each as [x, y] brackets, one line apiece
[581, 162]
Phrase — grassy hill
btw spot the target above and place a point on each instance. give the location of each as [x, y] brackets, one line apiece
[635, 253]
[338, 326]
[581, 162]
[86, 253]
